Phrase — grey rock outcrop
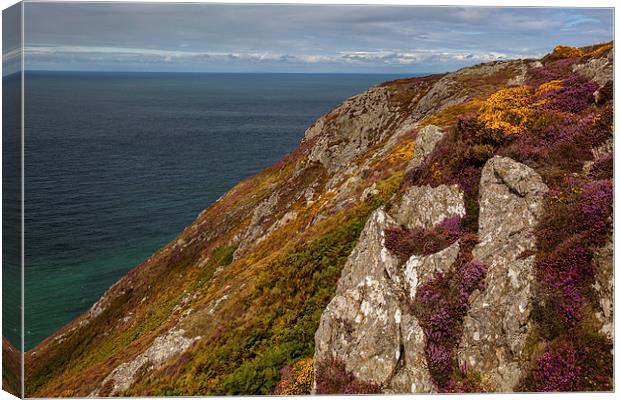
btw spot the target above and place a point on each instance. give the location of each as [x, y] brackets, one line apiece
[445, 93]
[598, 69]
[425, 206]
[358, 123]
[368, 325]
[498, 322]
[419, 269]
[363, 325]
[262, 212]
[163, 348]
[425, 142]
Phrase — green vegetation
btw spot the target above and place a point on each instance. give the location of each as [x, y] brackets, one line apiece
[279, 318]
[220, 257]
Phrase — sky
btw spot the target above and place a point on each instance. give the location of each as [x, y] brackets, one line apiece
[295, 38]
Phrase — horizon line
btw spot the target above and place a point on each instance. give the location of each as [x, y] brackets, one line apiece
[221, 72]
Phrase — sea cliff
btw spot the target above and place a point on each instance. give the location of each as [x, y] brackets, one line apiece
[439, 234]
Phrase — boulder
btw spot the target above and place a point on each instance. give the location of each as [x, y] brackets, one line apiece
[368, 325]
[162, 349]
[599, 69]
[425, 142]
[498, 321]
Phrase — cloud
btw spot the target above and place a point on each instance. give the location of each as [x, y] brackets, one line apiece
[302, 38]
[11, 40]
[86, 54]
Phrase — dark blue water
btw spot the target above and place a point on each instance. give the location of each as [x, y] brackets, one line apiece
[11, 208]
[118, 164]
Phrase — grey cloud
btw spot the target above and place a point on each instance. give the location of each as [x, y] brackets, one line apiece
[290, 36]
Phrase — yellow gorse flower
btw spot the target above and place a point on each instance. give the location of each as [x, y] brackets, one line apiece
[510, 110]
[300, 381]
[548, 86]
[600, 49]
[566, 52]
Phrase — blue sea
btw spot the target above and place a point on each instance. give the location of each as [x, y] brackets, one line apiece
[117, 164]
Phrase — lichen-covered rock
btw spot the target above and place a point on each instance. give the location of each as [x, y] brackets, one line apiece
[510, 201]
[262, 212]
[163, 348]
[361, 325]
[411, 375]
[425, 206]
[598, 69]
[446, 92]
[523, 68]
[498, 321]
[425, 142]
[421, 268]
[368, 325]
[359, 122]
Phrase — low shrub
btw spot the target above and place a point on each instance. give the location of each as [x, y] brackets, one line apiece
[332, 377]
[508, 110]
[576, 222]
[579, 361]
[559, 143]
[465, 380]
[574, 96]
[565, 52]
[581, 209]
[602, 168]
[603, 125]
[296, 379]
[459, 156]
[440, 306]
[557, 369]
[565, 273]
[554, 69]
[404, 242]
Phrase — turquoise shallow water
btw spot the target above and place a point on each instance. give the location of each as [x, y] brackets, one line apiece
[117, 164]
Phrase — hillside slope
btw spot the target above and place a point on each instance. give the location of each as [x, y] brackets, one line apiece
[418, 225]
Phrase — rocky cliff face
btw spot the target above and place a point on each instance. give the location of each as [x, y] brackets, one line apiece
[446, 233]
[370, 324]
[496, 326]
